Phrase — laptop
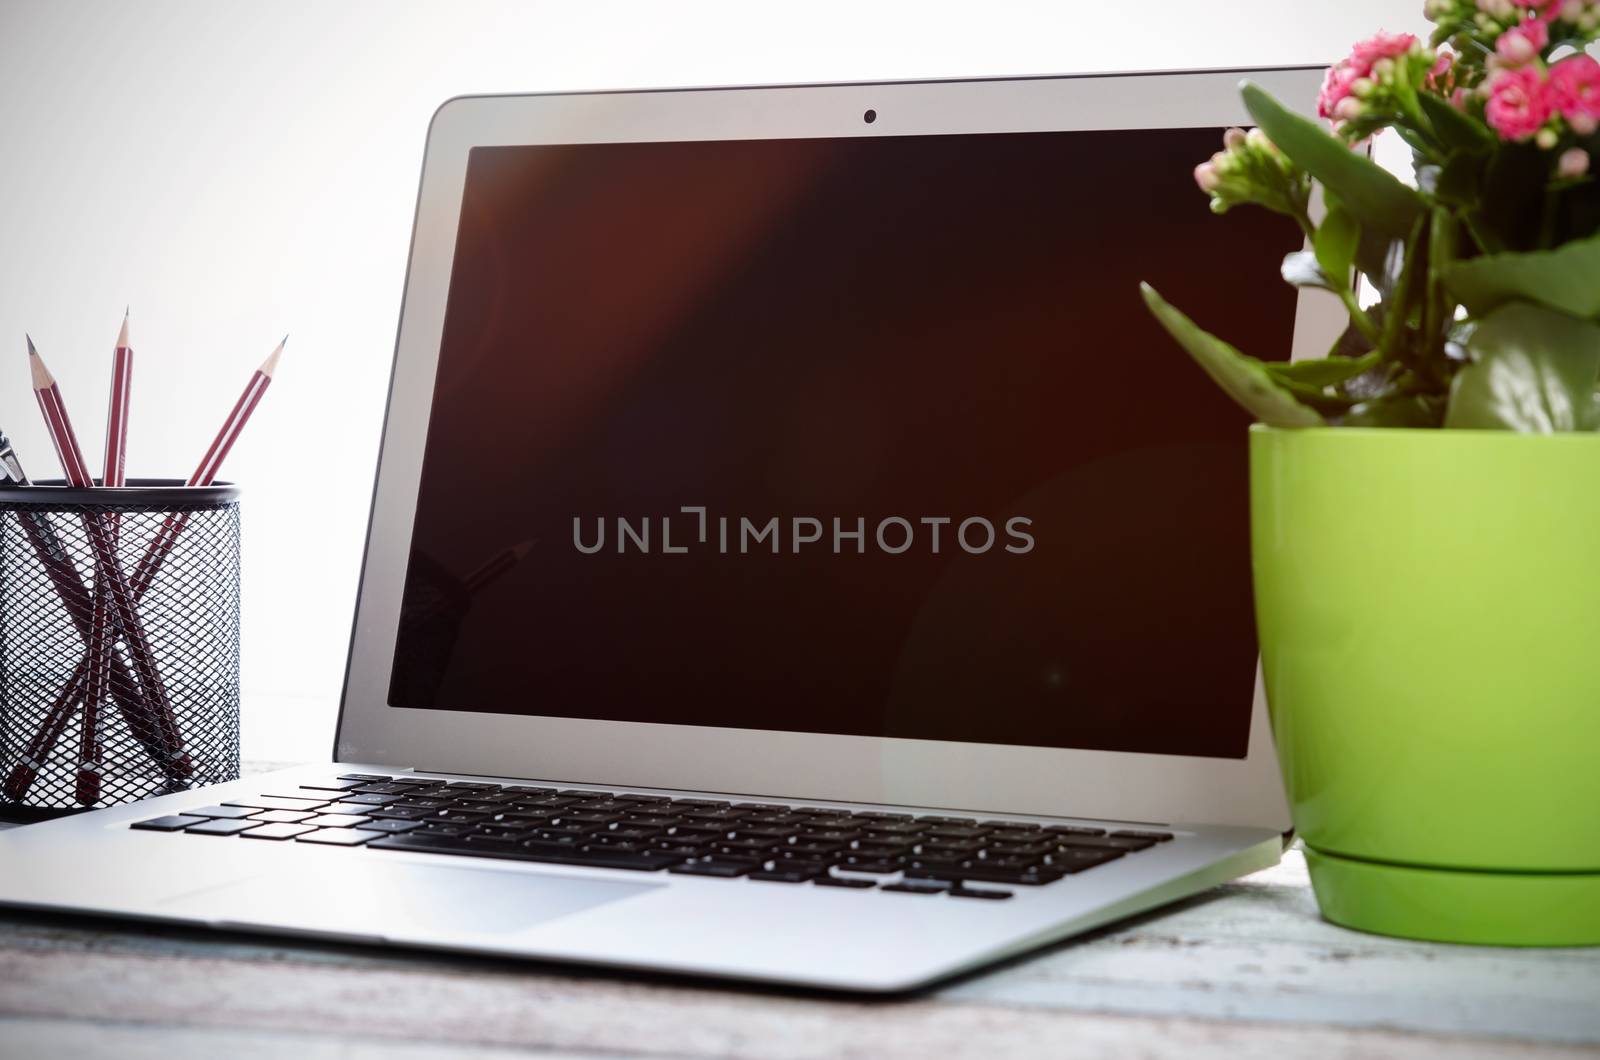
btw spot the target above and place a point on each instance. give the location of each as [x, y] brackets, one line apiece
[795, 555]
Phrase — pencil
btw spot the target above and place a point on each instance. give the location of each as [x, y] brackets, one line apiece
[122, 598]
[206, 473]
[100, 649]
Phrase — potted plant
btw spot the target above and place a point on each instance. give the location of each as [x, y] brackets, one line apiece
[1426, 499]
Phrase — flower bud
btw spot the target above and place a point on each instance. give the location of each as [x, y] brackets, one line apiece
[1574, 162]
[1582, 124]
[1362, 87]
[1347, 108]
[1571, 10]
[1205, 175]
[1546, 138]
[1233, 138]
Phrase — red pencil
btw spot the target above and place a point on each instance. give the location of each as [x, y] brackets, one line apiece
[204, 475]
[100, 644]
[122, 598]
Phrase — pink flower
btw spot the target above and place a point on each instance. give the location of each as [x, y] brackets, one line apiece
[1523, 43]
[1336, 86]
[1518, 103]
[1380, 45]
[1574, 91]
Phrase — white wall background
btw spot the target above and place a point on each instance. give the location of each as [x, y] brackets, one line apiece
[235, 171]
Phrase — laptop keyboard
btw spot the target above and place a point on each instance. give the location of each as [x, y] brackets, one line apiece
[902, 853]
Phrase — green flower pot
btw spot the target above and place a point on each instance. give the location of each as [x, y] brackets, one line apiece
[1429, 611]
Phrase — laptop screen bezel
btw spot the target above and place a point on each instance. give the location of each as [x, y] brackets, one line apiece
[977, 777]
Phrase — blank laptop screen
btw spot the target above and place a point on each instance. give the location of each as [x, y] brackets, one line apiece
[867, 436]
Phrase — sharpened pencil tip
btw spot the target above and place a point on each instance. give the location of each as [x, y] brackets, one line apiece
[31, 351]
[270, 365]
[42, 379]
[122, 336]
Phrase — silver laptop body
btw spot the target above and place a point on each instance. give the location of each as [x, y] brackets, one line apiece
[418, 704]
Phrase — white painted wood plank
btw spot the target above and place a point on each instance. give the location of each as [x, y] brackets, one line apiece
[1258, 950]
[608, 1016]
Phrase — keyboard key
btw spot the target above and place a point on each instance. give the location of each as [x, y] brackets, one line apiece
[459, 817]
[402, 813]
[277, 831]
[1034, 849]
[784, 875]
[346, 807]
[587, 817]
[410, 803]
[333, 785]
[1129, 833]
[916, 887]
[221, 811]
[1105, 842]
[950, 831]
[336, 820]
[336, 837]
[435, 828]
[382, 789]
[221, 827]
[642, 799]
[475, 806]
[709, 804]
[682, 850]
[975, 871]
[650, 820]
[530, 851]
[279, 802]
[960, 891]
[1076, 859]
[365, 778]
[369, 799]
[388, 826]
[517, 789]
[1073, 829]
[966, 822]
[170, 823]
[1016, 826]
[829, 835]
[466, 786]
[282, 816]
[844, 881]
[896, 828]
[724, 869]
[770, 807]
[857, 863]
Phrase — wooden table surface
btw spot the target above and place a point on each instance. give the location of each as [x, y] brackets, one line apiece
[1248, 970]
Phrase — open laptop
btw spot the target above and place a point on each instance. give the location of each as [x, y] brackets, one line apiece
[795, 555]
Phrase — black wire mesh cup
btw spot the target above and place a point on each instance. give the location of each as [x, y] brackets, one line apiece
[118, 680]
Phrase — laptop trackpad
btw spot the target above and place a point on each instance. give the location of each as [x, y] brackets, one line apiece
[402, 899]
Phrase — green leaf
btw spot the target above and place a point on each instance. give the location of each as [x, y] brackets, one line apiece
[1567, 278]
[1330, 371]
[1377, 199]
[1534, 371]
[1244, 378]
[1455, 130]
[1335, 243]
[1301, 268]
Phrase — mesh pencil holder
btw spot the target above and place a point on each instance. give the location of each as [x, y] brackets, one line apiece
[117, 681]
